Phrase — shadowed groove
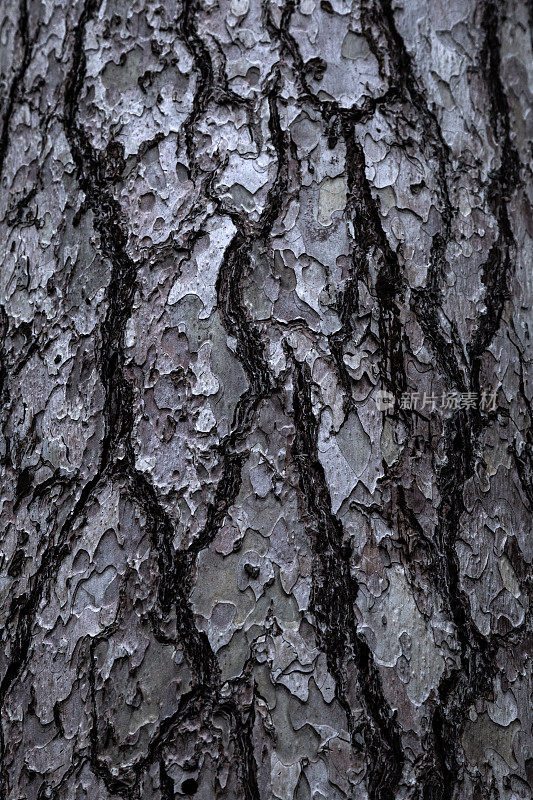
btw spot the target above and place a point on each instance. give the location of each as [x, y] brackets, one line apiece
[332, 603]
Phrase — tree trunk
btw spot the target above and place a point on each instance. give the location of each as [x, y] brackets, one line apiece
[266, 435]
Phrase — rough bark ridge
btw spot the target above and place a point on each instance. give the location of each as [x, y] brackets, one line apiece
[230, 568]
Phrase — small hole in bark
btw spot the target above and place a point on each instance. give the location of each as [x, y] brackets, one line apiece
[189, 786]
[147, 201]
[253, 76]
[416, 188]
[252, 570]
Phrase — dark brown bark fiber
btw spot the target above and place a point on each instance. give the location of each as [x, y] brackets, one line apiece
[265, 370]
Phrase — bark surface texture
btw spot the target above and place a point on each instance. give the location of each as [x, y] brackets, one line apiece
[228, 572]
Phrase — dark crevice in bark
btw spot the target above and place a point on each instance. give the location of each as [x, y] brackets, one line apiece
[201, 699]
[245, 741]
[524, 459]
[90, 170]
[176, 569]
[117, 453]
[329, 109]
[369, 241]
[166, 782]
[379, 16]
[23, 609]
[497, 270]
[458, 690]
[4, 398]
[204, 71]
[364, 212]
[249, 350]
[175, 581]
[128, 784]
[406, 84]
[380, 730]
[47, 792]
[363, 208]
[210, 86]
[420, 546]
[462, 687]
[243, 724]
[390, 284]
[23, 35]
[334, 593]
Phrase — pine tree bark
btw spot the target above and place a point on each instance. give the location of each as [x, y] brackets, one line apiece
[266, 400]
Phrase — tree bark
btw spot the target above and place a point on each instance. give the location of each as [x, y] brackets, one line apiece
[266, 423]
